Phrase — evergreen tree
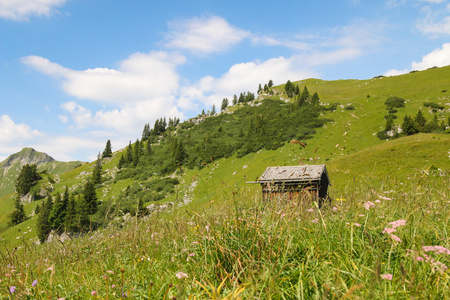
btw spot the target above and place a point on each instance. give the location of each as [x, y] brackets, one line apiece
[270, 84]
[235, 99]
[213, 110]
[289, 88]
[122, 162]
[90, 197]
[37, 209]
[17, 216]
[57, 214]
[28, 177]
[148, 148]
[420, 121]
[224, 104]
[241, 98]
[70, 220]
[137, 152]
[408, 126]
[82, 209]
[146, 132]
[305, 93]
[259, 89]
[315, 99]
[97, 172]
[266, 88]
[129, 156]
[108, 151]
[178, 152]
[43, 224]
[296, 90]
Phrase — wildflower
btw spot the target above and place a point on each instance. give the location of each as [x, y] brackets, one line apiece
[419, 258]
[110, 272]
[12, 289]
[389, 230]
[396, 238]
[335, 208]
[310, 210]
[316, 220]
[7, 274]
[191, 254]
[113, 286]
[368, 205]
[94, 293]
[357, 224]
[377, 201]
[181, 275]
[397, 223]
[34, 283]
[386, 276]
[436, 249]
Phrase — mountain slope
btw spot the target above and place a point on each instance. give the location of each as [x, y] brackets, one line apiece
[10, 167]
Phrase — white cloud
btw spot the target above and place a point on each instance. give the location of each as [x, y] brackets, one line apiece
[273, 41]
[437, 58]
[204, 35]
[13, 137]
[395, 72]
[436, 22]
[139, 77]
[10, 131]
[20, 10]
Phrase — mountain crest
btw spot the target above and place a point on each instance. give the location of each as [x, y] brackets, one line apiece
[25, 156]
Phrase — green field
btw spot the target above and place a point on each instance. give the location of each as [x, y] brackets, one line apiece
[217, 231]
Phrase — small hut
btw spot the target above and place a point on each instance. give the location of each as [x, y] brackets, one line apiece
[291, 182]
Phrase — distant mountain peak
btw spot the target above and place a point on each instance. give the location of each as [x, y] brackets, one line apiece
[26, 156]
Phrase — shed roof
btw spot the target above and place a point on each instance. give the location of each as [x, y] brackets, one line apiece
[294, 174]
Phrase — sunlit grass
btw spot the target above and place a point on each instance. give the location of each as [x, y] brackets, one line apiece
[244, 248]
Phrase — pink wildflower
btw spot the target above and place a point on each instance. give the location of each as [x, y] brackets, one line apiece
[436, 249]
[419, 258]
[396, 238]
[335, 208]
[389, 230]
[192, 254]
[94, 293]
[181, 275]
[310, 210]
[315, 221]
[386, 276]
[397, 223]
[377, 201]
[357, 224]
[368, 205]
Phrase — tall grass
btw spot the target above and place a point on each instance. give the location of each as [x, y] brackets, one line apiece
[245, 249]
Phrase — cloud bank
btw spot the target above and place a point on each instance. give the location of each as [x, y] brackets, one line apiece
[21, 10]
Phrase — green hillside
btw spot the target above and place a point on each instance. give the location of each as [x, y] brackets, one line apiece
[202, 180]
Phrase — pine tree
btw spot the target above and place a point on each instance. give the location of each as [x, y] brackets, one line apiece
[70, 220]
[315, 99]
[270, 84]
[408, 126]
[129, 156]
[224, 104]
[420, 121]
[235, 100]
[43, 225]
[57, 214]
[137, 152]
[27, 178]
[108, 151]
[17, 216]
[259, 89]
[146, 132]
[122, 162]
[90, 197]
[82, 209]
[213, 110]
[148, 148]
[97, 172]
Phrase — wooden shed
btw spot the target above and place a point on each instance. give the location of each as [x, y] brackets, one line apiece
[294, 182]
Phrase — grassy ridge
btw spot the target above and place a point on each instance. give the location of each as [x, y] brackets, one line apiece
[252, 251]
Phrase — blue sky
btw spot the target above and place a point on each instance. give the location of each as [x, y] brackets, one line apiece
[75, 73]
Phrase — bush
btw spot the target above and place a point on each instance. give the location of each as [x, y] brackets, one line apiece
[394, 102]
[350, 107]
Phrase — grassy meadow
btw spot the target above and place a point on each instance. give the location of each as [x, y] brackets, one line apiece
[383, 236]
[370, 244]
